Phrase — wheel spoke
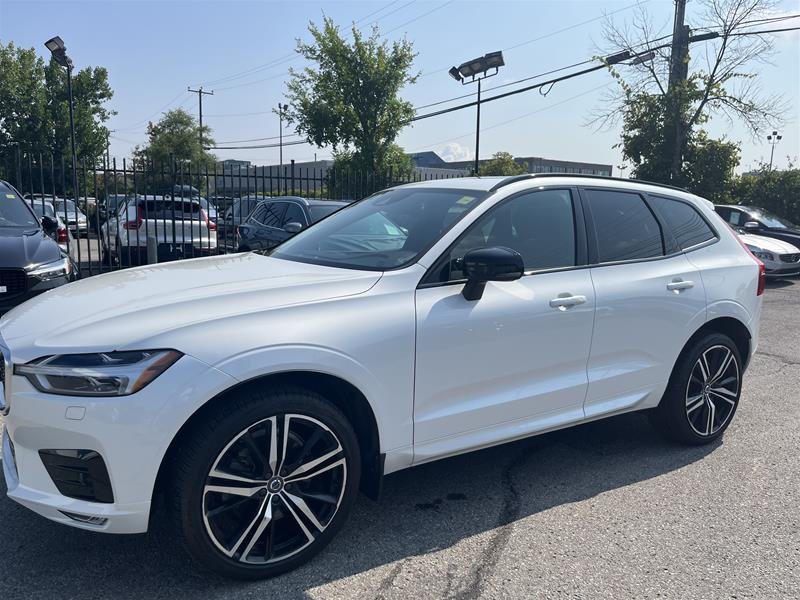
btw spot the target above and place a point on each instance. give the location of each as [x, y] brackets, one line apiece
[710, 422]
[723, 385]
[266, 519]
[694, 402]
[273, 444]
[726, 362]
[233, 490]
[249, 528]
[730, 401]
[299, 521]
[703, 363]
[217, 474]
[326, 498]
[309, 466]
[301, 504]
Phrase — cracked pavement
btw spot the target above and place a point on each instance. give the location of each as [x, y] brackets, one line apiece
[604, 510]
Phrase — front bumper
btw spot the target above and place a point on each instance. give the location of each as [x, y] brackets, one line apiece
[781, 269]
[131, 434]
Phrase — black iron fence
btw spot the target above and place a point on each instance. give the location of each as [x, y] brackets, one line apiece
[132, 212]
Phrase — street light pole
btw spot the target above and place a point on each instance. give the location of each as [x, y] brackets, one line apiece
[280, 131]
[773, 140]
[59, 52]
[477, 70]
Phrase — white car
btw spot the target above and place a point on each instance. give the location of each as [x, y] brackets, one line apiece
[781, 259]
[76, 221]
[179, 227]
[260, 393]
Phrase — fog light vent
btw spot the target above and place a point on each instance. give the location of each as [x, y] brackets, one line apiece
[85, 518]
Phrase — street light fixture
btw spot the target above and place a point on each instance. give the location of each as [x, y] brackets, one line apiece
[474, 70]
[59, 52]
[773, 140]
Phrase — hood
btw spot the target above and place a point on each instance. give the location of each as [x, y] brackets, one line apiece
[769, 244]
[116, 310]
[20, 248]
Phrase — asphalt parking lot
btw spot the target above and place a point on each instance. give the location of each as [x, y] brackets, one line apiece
[604, 510]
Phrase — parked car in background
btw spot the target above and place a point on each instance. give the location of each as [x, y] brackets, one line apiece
[236, 214]
[259, 394]
[759, 221]
[61, 234]
[76, 220]
[276, 220]
[781, 259]
[181, 229]
[30, 260]
[110, 205]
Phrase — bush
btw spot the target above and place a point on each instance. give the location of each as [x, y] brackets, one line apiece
[775, 191]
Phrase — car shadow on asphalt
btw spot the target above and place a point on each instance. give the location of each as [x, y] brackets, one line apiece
[422, 510]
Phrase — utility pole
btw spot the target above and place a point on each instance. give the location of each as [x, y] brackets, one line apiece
[678, 72]
[200, 93]
[281, 108]
[773, 139]
[477, 129]
[108, 143]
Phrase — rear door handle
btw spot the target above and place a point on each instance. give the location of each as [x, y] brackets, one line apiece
[676, 285]
[564, 302]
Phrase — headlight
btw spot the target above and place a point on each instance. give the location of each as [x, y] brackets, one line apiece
[764, 255]
[59, 268]
[101, 374]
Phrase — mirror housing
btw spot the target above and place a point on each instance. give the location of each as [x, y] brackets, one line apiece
[496, 263]
[49, 225]
[752, 225]
[293, 227]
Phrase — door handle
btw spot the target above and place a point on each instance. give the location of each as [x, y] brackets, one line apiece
[676, 285]
[564, 302]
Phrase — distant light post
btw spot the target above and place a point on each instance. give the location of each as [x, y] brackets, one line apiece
[478, 69]
[59, 52]
[773, 140]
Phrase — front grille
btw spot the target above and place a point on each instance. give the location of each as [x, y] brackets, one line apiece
[79, 474]
[15, 281]
[790, 258]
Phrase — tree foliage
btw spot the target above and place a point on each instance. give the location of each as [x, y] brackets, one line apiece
[176, 136]
[34, 109]
[776, 191]
[722, 83]
[349, 97]
[501, 163]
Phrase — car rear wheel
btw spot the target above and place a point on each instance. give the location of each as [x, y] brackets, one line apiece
[703, 392]
[263, 485]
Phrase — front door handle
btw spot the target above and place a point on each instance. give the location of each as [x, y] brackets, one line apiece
[676, 285]
[566, 301]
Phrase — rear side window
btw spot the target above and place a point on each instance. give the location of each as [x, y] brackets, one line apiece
[169, 210]
[626, 228]
[688, 227]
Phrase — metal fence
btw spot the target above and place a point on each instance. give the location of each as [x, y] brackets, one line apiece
[134, 211]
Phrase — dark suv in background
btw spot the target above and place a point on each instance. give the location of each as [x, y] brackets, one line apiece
[30, 260]
[759, 221]
[275, 220]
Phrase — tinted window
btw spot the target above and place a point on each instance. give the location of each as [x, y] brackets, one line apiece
[294, 214]
[688, 227]
[169, 210]
[319, 211]
[13, 210]
[625, 227]
[385, 231]
[273, 215]
[539, 225]
[770, 220]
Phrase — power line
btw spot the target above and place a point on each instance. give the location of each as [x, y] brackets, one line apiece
[293, 143]
[425, 14]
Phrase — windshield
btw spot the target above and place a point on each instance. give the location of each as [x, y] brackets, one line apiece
[41, 209]
[70, 206]
[385, 231]
[14, 212]
[771, 220]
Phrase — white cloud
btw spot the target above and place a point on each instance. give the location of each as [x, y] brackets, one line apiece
[454, 151]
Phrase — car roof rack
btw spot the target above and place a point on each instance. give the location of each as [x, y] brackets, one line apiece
[526, 176]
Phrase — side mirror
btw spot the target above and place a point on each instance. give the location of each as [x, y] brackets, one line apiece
[752, 225]
[49, 225]
[490, 264]
[293, 227]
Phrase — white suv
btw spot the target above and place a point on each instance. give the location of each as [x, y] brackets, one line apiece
[259, 393]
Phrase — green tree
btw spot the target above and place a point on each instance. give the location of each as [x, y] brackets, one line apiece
[720, 84]
[501, 163]
[176, 136]
[349, 97]
[776, 191]
[34, 109]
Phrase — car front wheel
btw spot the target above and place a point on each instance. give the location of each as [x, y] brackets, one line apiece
[703, 391]
[263, 485]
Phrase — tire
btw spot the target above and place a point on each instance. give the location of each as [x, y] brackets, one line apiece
[703, 392]
[268, 525]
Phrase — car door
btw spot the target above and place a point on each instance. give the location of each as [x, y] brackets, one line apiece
[513, 361]
[650, 299]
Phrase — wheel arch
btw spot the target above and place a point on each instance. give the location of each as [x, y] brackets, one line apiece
[730, 326]
[341, 393]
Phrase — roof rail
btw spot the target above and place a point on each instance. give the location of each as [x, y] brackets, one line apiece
[515, 178]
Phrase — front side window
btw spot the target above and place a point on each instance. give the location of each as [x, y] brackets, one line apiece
[294, 214]
[13, 210]
[539, 225]
[688, 227]
[625, 227]
[385, 231]
[272, 215]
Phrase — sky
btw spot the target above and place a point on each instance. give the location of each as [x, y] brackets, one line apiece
[241, 50]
